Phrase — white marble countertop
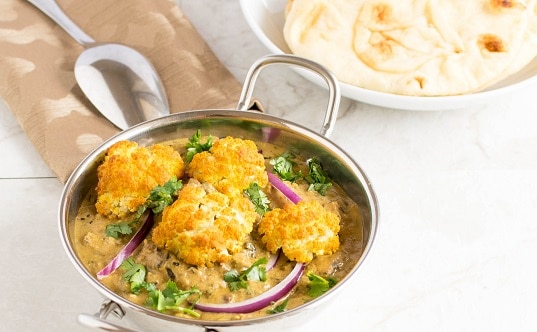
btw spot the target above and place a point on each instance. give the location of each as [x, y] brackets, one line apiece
[457, 244]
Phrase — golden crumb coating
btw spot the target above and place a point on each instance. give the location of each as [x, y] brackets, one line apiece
[301, 230]
[204, 226]
[230, 166]
[129, 173]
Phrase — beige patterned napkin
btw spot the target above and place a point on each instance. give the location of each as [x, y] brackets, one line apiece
[37, 59]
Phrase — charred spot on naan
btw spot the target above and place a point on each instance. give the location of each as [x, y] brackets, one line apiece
[420, 80]
[492, 43]
[506, 4]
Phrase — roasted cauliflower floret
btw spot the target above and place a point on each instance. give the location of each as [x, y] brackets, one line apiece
[204, 226]
[301, 230]
[128, 174]
[230, 166]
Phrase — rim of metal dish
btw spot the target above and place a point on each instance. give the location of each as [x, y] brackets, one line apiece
[152, 125]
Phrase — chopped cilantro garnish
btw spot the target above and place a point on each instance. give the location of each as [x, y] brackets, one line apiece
[171, 298]
[279, 308]
[255, 272]
[317, 177]
[318, 285]
[283, 166]
[195, 145]
[159, 198]
[114, 230]
[134, 274]
[258, 197]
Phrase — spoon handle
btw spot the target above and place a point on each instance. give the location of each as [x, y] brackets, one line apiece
[52, 10]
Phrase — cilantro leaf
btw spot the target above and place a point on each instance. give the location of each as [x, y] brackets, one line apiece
[321, 188]
[317, 177]
[114, 230]
[318, 285]
[255, 272]
[134, 274]
[283, 166]
[195, 145]
[234, 280]
[258, 197]
[279, 308]
[171, 298]
[159, 198]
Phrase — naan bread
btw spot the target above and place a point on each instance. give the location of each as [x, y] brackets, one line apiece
[421, 47]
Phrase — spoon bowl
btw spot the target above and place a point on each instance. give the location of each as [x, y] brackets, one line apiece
[118, 80]
[121, 83]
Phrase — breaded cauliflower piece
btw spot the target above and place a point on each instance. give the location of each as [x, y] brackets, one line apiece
[129, 173]
[204, 226]
[230, 166]
[301, 230]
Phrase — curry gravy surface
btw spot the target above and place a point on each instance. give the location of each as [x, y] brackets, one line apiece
[95, 250]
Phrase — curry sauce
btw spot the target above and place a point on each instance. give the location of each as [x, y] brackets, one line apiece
[95, 250]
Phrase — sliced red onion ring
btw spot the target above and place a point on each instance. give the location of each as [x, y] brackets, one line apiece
[128, 249]
[260, 301]
[283, 188]
[272, 261]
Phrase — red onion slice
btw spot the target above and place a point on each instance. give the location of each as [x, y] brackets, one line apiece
[272, 261]
[128, 249]
[283, 188]
[260, 301]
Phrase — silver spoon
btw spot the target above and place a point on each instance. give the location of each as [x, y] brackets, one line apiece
[119, 81]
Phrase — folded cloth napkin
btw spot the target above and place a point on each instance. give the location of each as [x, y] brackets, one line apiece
[37, 58]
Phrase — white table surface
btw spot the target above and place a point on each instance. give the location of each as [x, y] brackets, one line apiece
[457, 244]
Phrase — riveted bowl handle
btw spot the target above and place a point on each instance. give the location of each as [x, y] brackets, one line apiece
[334, 94]
[98, 321]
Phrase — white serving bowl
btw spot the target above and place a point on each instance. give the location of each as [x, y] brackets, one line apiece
[266, 19]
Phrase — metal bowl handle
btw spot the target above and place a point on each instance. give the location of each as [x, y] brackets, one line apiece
[97, 323]
[98, 320]
[334, 94]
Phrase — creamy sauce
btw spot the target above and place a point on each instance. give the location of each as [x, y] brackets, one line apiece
[95, 250]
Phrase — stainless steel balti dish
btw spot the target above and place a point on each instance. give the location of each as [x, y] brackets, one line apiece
[237, 123]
